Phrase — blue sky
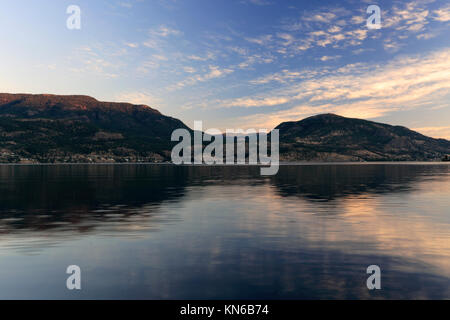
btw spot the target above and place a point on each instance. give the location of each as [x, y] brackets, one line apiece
[238, 64]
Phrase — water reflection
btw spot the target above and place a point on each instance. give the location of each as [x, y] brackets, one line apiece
[157, 231]
[81, 198]
[330, 182]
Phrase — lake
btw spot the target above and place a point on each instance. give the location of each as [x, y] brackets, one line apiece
[167, 232]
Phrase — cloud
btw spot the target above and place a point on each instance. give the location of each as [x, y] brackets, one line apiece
[159, 57]
[157, 36]
[258, 2]
[324, 17]
[288, 38]
[356, 90]
[442, 14]
[212, 73]
[340, 28]
[410, 16]
[426, 36]
[208, 56]
[239, 50]
[435, 132]
[325, 29]
[326, 35]
[132, 44]
[137, 97]
[164, 31]
[94, 61]
[255, 59]
[261, 40]
[147, 65]
[358, 19]
[189, 69]
[328, 58]
[413, 18]
[152, 43]
[334, 29]
[283, 76]
[215, 72]
[125, 4]
[255, 102]
[391, 45]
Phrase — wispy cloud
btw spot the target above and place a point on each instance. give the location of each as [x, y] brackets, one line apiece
[261, 40]
[212, 73]
[435, 132]
[132, 44]
[189, 69]
[442, 14]
[256, 102]
[138, 97]
[94, 61]
[156, 38]
[257, 2]
[329, 58]
[164, 31]
[255, 59]
[356, 90]
[126, 4]
[287, 61]
[206, 57]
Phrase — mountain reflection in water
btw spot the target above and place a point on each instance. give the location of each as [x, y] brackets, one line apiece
[198, 232]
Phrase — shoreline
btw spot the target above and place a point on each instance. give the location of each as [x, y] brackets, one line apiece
[297, 163]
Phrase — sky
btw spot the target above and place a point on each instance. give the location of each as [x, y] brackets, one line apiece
[238, 63]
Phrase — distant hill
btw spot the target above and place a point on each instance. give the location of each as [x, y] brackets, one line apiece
[51, 128]
[328, 137]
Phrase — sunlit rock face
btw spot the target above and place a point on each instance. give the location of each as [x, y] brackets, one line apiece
[52, 128]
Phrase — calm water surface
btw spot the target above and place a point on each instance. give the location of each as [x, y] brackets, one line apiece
[164, 232]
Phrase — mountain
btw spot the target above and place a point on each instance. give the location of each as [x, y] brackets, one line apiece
[52, 128]
[328, 137]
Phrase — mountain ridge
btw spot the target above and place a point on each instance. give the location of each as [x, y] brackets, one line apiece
[76, 128]
[334, 137]
[47, 128]
[82, 102]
